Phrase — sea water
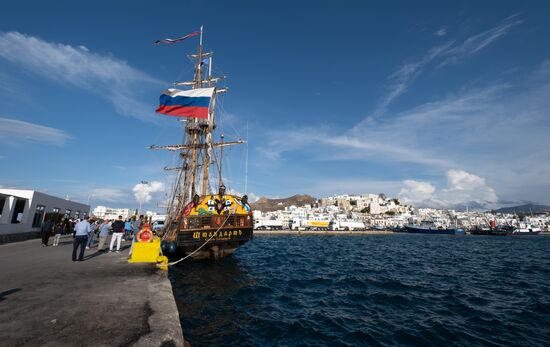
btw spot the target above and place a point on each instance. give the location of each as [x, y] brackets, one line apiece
[399, 289]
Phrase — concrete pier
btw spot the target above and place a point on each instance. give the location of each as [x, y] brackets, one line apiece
[48, 300]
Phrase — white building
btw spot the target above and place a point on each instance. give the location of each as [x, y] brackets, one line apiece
[103, 212]
[23, 211]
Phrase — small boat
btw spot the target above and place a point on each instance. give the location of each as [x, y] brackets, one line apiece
[505, 230]
[526, 229]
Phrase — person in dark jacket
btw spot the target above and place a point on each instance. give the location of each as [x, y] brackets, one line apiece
[46, 231]
[118, 231]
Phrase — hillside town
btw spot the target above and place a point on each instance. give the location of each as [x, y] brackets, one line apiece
[378, 212]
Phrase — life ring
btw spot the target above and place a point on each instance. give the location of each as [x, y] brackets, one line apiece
[145, 234]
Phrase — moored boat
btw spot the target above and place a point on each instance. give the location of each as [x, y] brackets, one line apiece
[428, 227]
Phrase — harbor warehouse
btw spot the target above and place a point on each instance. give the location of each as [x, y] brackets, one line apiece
[22, 212]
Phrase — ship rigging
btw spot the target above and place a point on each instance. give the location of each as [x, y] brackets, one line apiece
[196, 215]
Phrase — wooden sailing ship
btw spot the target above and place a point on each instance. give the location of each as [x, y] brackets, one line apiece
[202, 221]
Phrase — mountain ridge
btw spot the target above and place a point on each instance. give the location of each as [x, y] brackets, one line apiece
[265, 204]
[525, 209]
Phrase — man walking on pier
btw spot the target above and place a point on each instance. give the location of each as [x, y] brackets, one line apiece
[103, 234]
[81, 231]
[118, 231]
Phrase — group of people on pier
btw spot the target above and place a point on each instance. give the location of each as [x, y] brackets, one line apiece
[86, 229]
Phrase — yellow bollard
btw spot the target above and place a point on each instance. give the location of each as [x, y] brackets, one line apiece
[162, 262]
[146, 252]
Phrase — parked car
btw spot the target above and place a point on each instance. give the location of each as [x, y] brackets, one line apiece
[158, 225]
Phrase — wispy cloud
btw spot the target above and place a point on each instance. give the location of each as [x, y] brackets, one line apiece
[111, 78]
[400, 80]
[439, 56]
[441, 31]
[13, 131]
[497, 133]
[475, 43]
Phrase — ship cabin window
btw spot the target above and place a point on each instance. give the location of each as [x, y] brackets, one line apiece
[77, 214]
[67, 213]
[241, 221]
[55, 210]
[38, 216]
[206, 221]
[194, 223]
[230, 221]
[17, 216]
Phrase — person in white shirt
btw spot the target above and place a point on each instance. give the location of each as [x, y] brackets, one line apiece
[118, 231]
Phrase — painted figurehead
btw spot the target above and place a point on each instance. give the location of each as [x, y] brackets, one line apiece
[196, 199]
[220, 202]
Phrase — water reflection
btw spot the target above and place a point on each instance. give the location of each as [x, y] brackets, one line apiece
[213, 298]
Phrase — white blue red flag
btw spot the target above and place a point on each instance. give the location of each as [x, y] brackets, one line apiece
[186, 103]
[170, 41]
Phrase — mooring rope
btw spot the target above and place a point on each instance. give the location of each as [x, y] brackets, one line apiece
[204, 244]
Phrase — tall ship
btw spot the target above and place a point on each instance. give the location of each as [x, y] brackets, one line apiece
[203, 220]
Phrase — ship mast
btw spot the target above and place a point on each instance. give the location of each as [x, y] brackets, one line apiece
[196, 128]
[196, 151]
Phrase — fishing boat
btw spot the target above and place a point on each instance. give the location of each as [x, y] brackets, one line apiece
[203, 220]
[505, 230]
[429, 227]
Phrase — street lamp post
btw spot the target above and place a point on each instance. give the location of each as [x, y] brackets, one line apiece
[139, 210]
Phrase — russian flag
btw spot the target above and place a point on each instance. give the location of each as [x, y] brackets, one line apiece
[186, 103]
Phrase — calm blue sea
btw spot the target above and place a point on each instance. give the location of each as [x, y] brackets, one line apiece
[372, 290]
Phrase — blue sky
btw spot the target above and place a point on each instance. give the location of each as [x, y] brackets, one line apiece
[438, 103]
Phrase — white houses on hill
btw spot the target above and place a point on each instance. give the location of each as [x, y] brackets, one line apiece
[24, 211]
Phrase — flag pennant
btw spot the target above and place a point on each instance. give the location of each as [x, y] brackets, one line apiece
[193, 103]
[171, 41]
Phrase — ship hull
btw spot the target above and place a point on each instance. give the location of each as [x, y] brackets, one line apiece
[203, 244]
[420, 230]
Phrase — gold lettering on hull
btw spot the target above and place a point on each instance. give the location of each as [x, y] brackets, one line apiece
[220, 236]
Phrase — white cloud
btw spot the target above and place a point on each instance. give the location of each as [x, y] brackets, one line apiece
[111, 78]
[462, 188]
[143, 192]
[416, 191]
[13, 131]
[465, 187]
